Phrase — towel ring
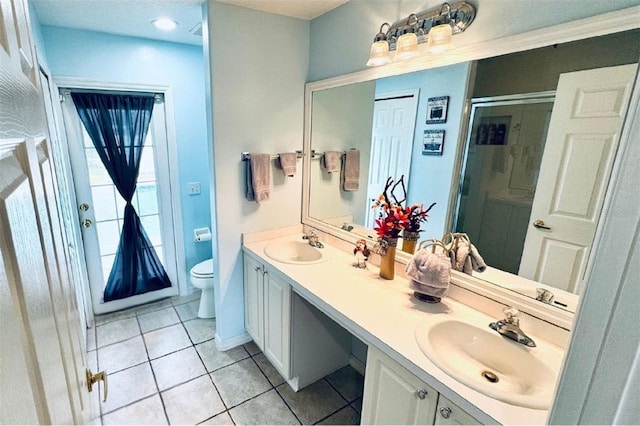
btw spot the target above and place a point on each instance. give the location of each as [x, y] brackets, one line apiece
[454, 238]
[432, 242]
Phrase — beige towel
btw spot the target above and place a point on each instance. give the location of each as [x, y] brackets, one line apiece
[259, 177]
[331, 161]
[351, 170]
[288, 162]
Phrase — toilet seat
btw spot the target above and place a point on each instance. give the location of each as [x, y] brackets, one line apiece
[203, 269]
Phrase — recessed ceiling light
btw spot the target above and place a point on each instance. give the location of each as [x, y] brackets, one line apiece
[165, 24]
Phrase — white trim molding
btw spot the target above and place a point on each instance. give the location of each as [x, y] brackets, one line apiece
[172, 148]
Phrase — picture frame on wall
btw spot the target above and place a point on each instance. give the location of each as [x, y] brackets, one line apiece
[433, 142]
[437, 109]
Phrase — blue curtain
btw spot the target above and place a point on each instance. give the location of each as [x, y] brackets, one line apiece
[118, 125]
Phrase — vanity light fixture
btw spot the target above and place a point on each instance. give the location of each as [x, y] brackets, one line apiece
[165, 24]
[434, 27]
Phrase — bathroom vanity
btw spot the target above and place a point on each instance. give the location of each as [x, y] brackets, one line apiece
[302, 311]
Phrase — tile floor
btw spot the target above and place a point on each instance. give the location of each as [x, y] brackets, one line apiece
[164, 368]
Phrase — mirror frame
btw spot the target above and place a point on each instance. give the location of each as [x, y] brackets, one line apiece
[608, 23]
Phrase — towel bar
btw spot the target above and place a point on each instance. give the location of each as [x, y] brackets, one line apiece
[244, 156]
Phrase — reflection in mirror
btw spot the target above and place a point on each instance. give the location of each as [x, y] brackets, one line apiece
[486, 182]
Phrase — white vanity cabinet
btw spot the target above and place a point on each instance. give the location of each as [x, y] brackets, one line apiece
[393, 395]
[267, 298]
[448, 413]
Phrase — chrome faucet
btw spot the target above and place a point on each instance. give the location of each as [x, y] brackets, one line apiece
[510, 327]
[313, 239]
[544, 295]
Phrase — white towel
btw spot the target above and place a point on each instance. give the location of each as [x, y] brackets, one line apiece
[351, 170]
[331, 161]
[429, 273]
[259, 176]
[288, 162]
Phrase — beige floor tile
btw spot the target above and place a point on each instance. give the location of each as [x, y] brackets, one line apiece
[348, 382]
[192, 402]
[154, 306]
[149, 411]
[357, 405]
[267, 408]
[177, 367]
[121, 355]
[313, 403]
[240, 382]
[214, 359]
[117, 331]
[180, 300]
[221, 419]
[91, 339]
[158, 319]
[188, 311]
[114, 316]
[269, 370]
[166, 340]
[130, 385]
[200, 329]
[252, 348]
[346, 416]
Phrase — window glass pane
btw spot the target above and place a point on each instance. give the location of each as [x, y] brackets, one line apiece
[97, 173]
[119, 204]
[104, 202]
[147, 199]
[160, 253]
[147, 167]
[88, 143]
[151, 225]
[107, 264]
[108, 236]
[149, 139]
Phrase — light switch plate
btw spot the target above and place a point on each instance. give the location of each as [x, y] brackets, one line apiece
[193, 188]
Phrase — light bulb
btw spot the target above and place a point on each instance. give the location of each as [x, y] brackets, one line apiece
[439, 38]
[407, 47]
[379, 54]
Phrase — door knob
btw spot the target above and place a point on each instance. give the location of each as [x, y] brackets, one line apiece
[86, 223]
[540, 224]
[83, 207]
[94, 378]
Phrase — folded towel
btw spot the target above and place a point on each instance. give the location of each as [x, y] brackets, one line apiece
[351, 170]
[288, 162]
[260, 177]
[331, 160]
[429, 273]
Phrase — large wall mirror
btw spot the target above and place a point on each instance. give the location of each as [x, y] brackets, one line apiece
[491, 142]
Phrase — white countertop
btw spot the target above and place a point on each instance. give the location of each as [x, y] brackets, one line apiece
[384, 313]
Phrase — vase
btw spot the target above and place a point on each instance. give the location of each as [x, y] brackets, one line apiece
[388, 257]
[409, 241]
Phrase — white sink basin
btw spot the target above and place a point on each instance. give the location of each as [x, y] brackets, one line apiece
[296, 252]
[491, 364]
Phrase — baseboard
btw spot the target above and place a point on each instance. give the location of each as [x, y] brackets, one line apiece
[357, 365]
[225, 345]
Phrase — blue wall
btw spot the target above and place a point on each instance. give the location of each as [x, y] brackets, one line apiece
[431, 177]
[112, 58]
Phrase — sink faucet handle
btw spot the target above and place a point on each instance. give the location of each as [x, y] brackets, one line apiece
[511, 315]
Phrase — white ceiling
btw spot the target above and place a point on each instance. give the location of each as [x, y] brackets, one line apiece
[133, 17]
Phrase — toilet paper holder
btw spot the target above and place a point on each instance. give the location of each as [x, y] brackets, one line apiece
[201, 234]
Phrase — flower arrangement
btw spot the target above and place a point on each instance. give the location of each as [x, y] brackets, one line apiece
[394, 217]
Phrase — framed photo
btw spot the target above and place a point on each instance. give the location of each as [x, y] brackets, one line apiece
[433, 142]
[437, 110]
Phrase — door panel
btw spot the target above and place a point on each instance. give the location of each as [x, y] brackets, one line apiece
[41, 354]
[576, 165]
[394, 123]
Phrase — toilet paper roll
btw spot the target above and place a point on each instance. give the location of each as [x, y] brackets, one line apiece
[202, 234]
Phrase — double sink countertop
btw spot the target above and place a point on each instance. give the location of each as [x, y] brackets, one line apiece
[385, 314]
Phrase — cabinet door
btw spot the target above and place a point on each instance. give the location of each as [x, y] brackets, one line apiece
[253, 295]
[394, 396]
[277, 314]
[450, 414]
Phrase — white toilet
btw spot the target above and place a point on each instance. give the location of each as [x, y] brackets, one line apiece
[202, 278]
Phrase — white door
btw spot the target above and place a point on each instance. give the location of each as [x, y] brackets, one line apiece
[394, 123]
[101, 208]
[42, 356]
[576, 165]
